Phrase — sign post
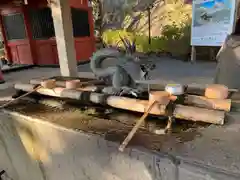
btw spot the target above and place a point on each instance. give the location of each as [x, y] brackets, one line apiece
[212, 21]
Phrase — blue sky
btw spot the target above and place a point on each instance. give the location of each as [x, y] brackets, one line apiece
[210, 4]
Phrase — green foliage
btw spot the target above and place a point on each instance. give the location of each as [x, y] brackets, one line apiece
[174, 39]
[170, 23]
[177, 39]
[112, 37]
[173, 21]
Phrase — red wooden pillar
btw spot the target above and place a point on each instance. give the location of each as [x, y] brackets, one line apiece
[29, 35]
[7, 50]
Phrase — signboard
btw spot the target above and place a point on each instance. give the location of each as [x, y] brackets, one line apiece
[212, 21]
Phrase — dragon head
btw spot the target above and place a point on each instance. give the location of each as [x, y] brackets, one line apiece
[132, 55]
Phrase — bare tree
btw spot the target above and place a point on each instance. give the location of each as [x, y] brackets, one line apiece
[98, 14]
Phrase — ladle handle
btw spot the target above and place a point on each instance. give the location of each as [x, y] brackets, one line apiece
[136, 127]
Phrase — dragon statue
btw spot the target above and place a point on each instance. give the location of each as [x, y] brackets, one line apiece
[119, 81]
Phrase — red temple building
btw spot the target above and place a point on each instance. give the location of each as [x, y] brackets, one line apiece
[28, 31]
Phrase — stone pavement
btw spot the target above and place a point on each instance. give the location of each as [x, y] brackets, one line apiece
[170, 70]
[167, 70]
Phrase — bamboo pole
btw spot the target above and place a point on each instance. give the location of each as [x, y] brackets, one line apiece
[191, 89]
[63, 83]
[200, 101]
[181, 112]
[20, 97]
[199, 114]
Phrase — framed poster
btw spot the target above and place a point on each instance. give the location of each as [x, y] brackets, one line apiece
[212, 21]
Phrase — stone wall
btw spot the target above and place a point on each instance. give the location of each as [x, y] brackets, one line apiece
[14, 158]
[43, 151]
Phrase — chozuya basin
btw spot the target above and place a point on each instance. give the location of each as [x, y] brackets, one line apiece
[174, 89]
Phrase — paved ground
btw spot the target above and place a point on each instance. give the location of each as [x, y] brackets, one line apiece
[176, 71]
[167, 70]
